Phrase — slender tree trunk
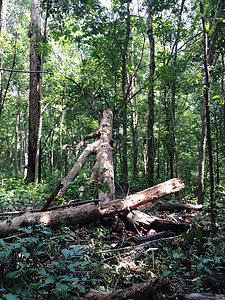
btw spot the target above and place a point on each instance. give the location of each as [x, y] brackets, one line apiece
[217, 151]
[26, 149]
[125, 95]
[201, 167]
[151, 96]
[134, 114]
[35, 92]
[208, 61]
[1, 51]
[60, 143]
[159, 142]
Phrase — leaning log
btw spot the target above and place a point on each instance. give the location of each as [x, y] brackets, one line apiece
[91, 212]
[103, 169]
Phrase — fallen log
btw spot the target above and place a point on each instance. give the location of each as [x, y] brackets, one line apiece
[203, 296]
[146, 222]
[178, 206]
[145, 290]
[91, 212]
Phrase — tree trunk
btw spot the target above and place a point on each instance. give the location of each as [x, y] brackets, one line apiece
[1, 51]
[208, 59]
[134, 113]
[35, 90]
[151, 96]
[91, 212]
[103, 169]
[201, 167]
[208, 62]
[125, 95]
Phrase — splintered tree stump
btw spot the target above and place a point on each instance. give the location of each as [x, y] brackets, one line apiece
[91, 212]
[103, 169]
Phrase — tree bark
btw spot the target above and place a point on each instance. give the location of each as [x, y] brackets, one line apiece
[35, 91]
[151, 96]
[208, 59]
[91, 212]
[103, 169]
[134, 113]
[208, 62]
[145, 290]
[125, 95]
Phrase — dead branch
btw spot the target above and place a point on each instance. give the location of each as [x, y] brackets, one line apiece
[144, 290]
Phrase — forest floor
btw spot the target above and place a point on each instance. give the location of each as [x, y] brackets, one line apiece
[106, 259]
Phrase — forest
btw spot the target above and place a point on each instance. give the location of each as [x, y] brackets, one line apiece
[112, 149]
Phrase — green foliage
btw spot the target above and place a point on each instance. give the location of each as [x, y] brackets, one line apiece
[16, 195]
[65, 273]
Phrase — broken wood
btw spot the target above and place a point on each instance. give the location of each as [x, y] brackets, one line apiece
[103, 149]
[178, 206]
[91, 212]
[146, 222]
[202, 296]
[145, 290]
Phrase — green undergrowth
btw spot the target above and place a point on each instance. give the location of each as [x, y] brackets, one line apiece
[42, 263]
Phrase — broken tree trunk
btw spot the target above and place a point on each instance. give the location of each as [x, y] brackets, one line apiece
[178, 206]
[103, 169]
[91, 212]
[147, 222]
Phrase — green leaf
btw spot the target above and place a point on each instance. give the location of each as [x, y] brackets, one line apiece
[200, 266]
[199, 76]
[177, 255]
[2, 243]
[198, 234]
[61, 287]
[17, 289]
[14, 274]
[188, 236]
[82, 289]
[10, 297]
[211, 30]
[165, 274]
[66, 253]
[197, 281]
[49, 280]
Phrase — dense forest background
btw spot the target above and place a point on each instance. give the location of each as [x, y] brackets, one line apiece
[96, 57]
[157, 64]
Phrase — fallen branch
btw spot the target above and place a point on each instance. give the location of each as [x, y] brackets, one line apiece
[91, 212]
[178, 206]
[203, 296]
[144, 290]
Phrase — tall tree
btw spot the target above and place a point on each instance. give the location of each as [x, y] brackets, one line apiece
[125, 96]
[151, 95]
[208, 59]
[209, 46]
[35, 92]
